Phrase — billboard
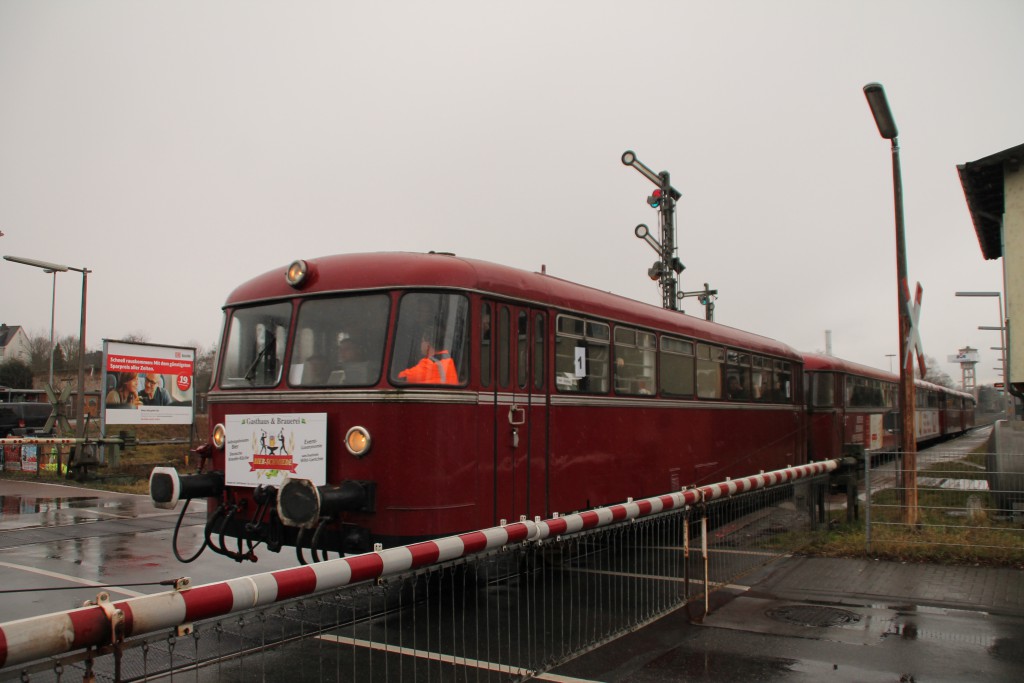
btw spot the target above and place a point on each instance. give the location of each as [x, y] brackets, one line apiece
[147, 384]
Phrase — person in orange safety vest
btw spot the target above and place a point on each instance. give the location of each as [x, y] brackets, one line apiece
[436, 367]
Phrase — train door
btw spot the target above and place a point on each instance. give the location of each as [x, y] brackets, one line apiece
[520, 415]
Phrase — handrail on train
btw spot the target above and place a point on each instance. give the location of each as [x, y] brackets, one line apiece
[103, 623]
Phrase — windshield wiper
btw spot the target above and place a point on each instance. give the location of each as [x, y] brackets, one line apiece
[250, 374]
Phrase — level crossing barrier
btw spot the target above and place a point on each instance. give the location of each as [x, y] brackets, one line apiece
[499, 604]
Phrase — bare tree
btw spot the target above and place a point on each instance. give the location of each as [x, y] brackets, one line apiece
[68, 345]
[136, 337]
[934, 374]
[202, 372]
[39, 351]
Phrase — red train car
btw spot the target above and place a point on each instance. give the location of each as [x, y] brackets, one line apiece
[385, 398]
[849, 403]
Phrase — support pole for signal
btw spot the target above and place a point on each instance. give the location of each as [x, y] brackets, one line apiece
[668, 265]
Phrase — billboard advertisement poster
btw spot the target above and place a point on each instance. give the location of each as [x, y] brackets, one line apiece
[148, 384]
[29, 458]
[264, 449]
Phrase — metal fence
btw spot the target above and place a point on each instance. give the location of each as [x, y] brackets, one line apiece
[499, 604]
[970, 506]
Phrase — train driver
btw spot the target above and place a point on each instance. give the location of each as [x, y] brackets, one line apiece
[436, 366]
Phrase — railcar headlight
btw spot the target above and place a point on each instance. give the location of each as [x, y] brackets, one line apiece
[296, 273]
[358, 441]
[219, 436]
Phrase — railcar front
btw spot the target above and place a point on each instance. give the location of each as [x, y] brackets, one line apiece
[340, 408]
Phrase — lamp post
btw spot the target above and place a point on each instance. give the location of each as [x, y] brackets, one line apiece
[59, 268]
[1007, 400]
[875, 95]
[53, 307]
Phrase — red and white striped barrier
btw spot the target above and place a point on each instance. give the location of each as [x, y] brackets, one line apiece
[592, 519]
[43, 441]
[50, 635]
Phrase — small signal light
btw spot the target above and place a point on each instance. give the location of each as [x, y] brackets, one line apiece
[655, 199]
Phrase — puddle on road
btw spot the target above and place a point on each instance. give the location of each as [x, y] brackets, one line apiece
[14, 506]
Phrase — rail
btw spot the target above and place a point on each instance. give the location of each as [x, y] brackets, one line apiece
[105, 625]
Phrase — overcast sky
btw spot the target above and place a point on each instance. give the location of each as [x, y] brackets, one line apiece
[179, 148]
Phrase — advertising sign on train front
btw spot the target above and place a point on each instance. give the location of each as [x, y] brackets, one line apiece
[147, 384]
[264, 449]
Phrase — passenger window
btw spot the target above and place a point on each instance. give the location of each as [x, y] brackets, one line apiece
[761, 388]
[581, 355]
[783, 382]
[823, 387]
[504, 359]
[737, 376]
[709, 371]
[677, 363]
[522, 349]
[538, 352]
[485, 345]
[635, 354]
[431, 339]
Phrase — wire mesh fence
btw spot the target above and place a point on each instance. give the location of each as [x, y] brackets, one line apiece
[969, 505]
[503, 615]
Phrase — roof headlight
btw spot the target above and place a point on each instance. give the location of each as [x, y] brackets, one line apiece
[296, 273]
[358, 441]
[219, 436]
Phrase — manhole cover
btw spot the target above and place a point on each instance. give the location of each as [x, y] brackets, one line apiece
[813, 615]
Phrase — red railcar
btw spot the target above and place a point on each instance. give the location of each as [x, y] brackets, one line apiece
[552, 397]
[849, 403]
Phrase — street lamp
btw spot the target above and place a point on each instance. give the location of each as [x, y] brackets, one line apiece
[55, 268]
[53, 307]
[1007, 400]
[875, 95]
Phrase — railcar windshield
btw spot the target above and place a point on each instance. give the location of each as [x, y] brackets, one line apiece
[431, 339]
[254, 351]
[339, 341]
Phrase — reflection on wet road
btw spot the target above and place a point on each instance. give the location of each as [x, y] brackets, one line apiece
[59, 545]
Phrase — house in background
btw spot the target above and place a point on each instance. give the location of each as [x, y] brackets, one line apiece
[14, 343]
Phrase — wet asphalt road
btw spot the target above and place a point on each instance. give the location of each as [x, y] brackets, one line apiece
[61, 545]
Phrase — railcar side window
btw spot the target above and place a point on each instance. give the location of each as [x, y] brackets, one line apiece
[737, 376]
[862, 392]
[581, 355]
[538, 352]
[709, 371]
[783, 382]
[522, 349]
[254, 351]
[339, 341]
[635, 353]
[504, 362]
[431, 339]
[677, 364]
[485, 345]
[823, 389]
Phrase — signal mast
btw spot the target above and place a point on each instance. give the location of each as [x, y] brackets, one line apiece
[668, 266]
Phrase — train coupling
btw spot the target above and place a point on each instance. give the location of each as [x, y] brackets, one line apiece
[301, 503]
[167, 487]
